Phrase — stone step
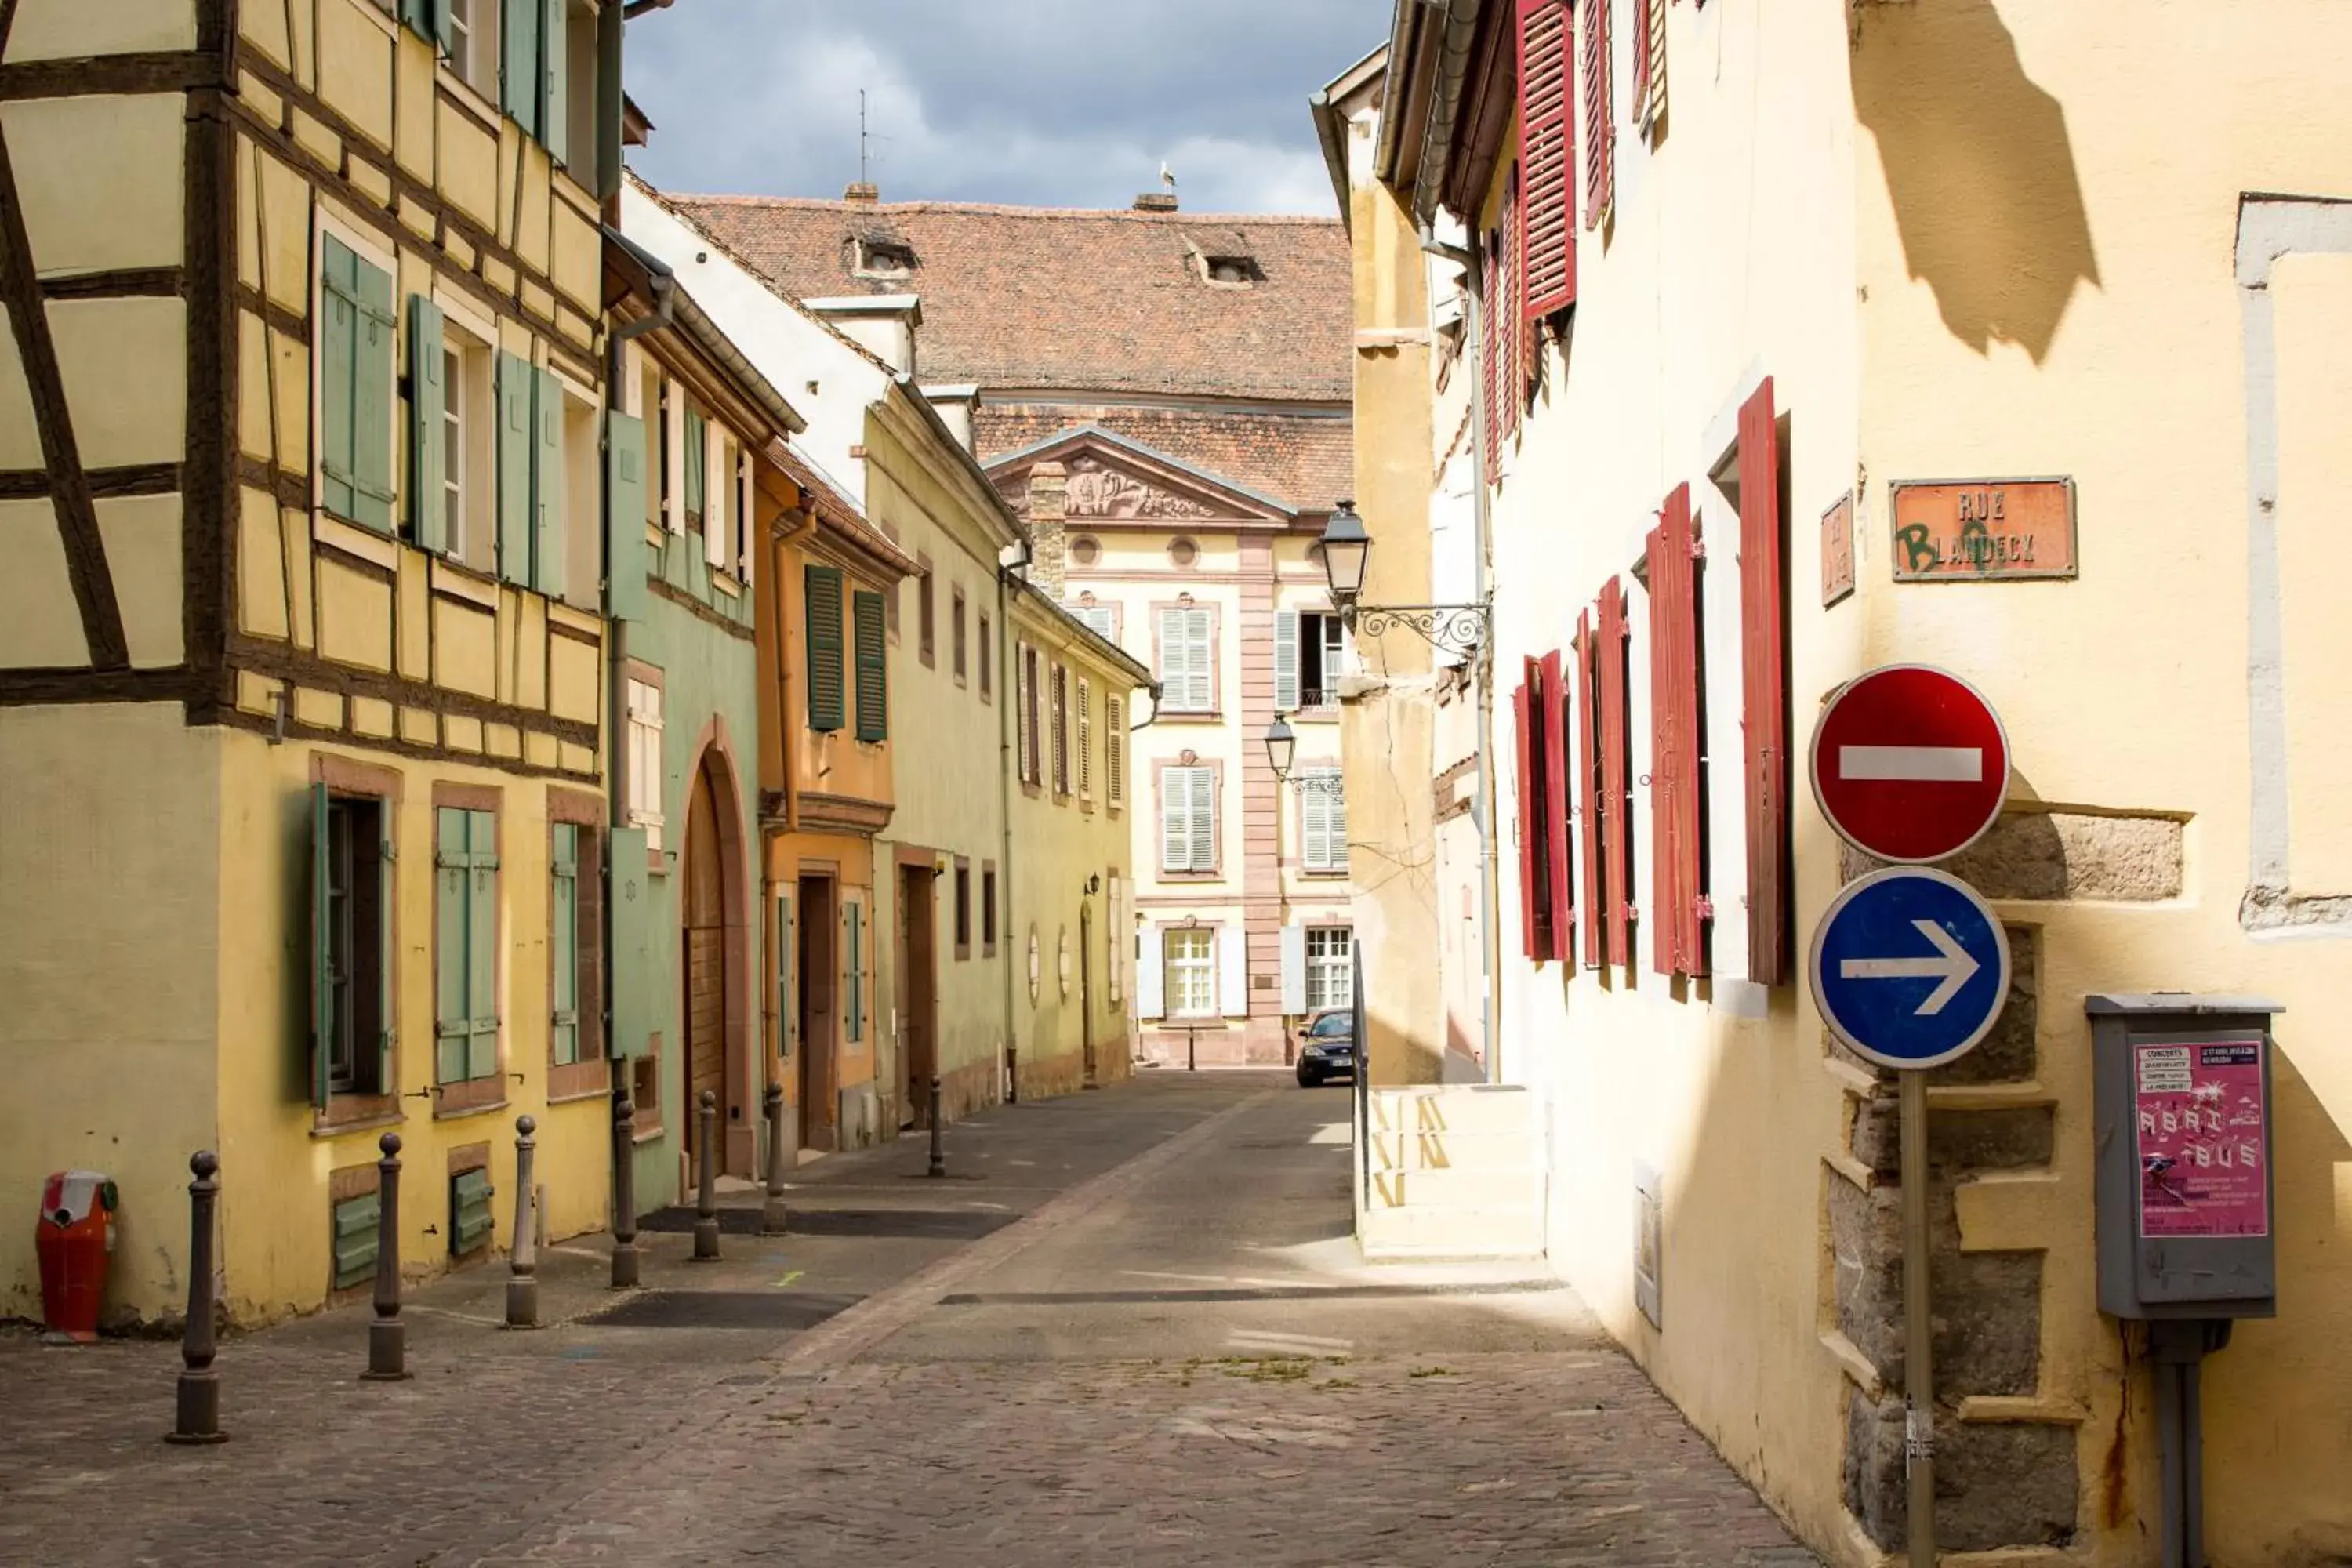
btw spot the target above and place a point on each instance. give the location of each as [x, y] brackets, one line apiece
[1457, 1152]
[1459, 1191]
[1453, 1109]
[1501, 1232]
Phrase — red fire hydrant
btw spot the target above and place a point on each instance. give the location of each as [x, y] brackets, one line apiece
[74, 1236]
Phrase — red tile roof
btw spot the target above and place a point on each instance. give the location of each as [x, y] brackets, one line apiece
[1076, 299]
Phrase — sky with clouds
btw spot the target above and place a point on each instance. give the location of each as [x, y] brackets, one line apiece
[1038, 102]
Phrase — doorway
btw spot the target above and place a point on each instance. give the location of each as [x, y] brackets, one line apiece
[702, 967]
[820, 1050]
[918, 1052]
[1087, 990]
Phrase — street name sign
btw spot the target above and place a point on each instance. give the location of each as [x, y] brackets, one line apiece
[1910, 764]
[1909, 967]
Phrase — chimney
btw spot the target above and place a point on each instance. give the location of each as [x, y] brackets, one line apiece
[864, 192]
[1156, 201]
[1049, 536]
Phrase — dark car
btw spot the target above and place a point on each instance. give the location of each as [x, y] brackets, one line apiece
[1326, 1046]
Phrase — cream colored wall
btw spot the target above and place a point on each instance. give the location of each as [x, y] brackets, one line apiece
[2130, 358]
[108, 905]
[274, 1221]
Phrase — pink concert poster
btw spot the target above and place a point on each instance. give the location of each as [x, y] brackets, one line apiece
[2202, 1140]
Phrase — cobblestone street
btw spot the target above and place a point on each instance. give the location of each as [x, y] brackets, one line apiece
[1132, 1327]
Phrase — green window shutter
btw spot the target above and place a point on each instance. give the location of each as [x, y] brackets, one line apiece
[428, 404]
[873, 669]
[450, 862]
[470, 1219]
[787, 960]
[698, 462]
[442, 33]
[519, 68]
[355, 1224]
[547, 486]
[387, 951]
[375, 376]
[563, 941]
[482, 946]
[625, 481]
[555, 118]
[855, 1012]
[516, 447]
[825, 693]
[338, 352]
[321, 1066]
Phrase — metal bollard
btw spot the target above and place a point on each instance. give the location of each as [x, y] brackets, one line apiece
[706, 1206]
[1192, 1050]
[939, 1152]
[198, 1416]
[1012, 1075]
[523, 1284]
[773, 1214]
[625, 1193]
[387, 1336]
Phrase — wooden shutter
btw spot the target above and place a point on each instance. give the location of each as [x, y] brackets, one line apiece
[1600, 130]
[1555, 807]
[1676, 808]
[1151, 973]
[375, 376]
[1025, 717]
[428, 409]
[1617, 801]
[517, 445]
[822, 590]
[1588, 788]
[697, 469]
[1522, 709]
[1512, 321]
[555, 116]
[717, 547]
[1085, 739]
[1764, 718]
[465, 944]
[1232, 970]
[470, 1216]
[1285, 661]
[321, 1066]
[1060, 722]
[387, 954]
[547, 485]
[563, 942]
[873, 668]
[625, 481]
[1175, 819]
[1491, 329]
[1637, 87]
[482, 945]
[520, 85]
[358, 1227]
[1114, 752]
[1203, 815]
[1294, 970]
[787, 951]
[855, 916]
[338, 350]
[1547, 158]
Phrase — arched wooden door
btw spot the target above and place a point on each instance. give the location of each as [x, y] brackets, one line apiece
[702, 1010]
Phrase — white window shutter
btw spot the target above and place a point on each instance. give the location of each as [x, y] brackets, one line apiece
[1314, 828]
[1285, 661]
[1173, 682]
[1203, 690]
[1150, 976]
[1233, 971]
[747, 492]
[674, 465]
[1175, 819]
[716, 546]
[1204, 819]
[1294, 970]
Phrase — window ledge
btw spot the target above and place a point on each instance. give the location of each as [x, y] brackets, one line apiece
[466, 93]
[726, 583]
[1192, 876]
[366, 1113]
[1189, 716]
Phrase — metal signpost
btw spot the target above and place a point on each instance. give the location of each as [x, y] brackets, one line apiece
[1909, 967]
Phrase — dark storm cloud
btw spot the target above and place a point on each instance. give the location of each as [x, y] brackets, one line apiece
[1044, 102]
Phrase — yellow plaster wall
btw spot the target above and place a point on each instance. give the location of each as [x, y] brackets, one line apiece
[849, 859]
[109, 921]
[107, 351]
[275, 1234]
[20, 438]
[70, 29]
[98, 178]
[40, 624]
[142, 535]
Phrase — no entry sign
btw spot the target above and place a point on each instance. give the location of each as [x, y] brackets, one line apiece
[1910, 764]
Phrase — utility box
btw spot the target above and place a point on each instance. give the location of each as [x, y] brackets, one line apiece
[2184, 1191]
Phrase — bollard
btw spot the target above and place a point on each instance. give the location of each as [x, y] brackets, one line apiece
[625, 1192]
[387, 1336]
[774, 1215]
[198, 1419]
[938, 1153]
[1012, 1075]
[705, 1204]
[522, 1285]
[1192, 1050]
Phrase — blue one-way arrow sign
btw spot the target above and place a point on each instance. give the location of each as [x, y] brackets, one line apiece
[1910, 967]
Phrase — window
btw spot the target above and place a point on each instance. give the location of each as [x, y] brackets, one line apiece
[465, 944]
[987, 663]
[925, 632]
[1232, 271]
[1115, 900]
[666, 511]
[988, 909]
[727, 548]
[530, 476]
[955, 634]
[580, 132]
[1188, 820]
[884, 258]
[575, 940]
[1330, 967]
[472, 44]
[352, 945]
[1114, 751]
[1191, 961]
[1187, 655]
[453, 453]
[873, 668]
[1323, 822]
[547, 74]
[821, 589]
[1100, 619]
[1537, 708]
[962, 908]
[1085, 739]
[643, 777]
[355, 380]
[1599, 128]
[697, 475]
[1548, 158]
[1311, 652]
[1033, 766]
[1061, 730]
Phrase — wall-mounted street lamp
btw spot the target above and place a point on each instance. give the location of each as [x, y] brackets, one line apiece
[1281, 749]
[1346, 553]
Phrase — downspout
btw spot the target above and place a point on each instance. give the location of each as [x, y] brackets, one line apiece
[1008, 692]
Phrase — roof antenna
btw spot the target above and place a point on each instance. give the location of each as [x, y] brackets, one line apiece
[861, 176]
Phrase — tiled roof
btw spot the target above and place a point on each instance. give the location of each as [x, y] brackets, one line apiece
[1306, 463]
[837, 514]
[1076, 300]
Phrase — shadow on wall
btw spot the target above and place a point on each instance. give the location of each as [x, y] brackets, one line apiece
[1979, 169]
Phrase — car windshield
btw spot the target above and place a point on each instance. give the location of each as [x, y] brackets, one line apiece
[1333, 1026]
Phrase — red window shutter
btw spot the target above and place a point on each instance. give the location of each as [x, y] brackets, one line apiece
[1547, 157]
[1763, 627]
[1490, 340]
[1637, 90]
[1511, 323]
[1600, 130]
[1665, 893]
[1677, 803]
[1587, 789]
[1555, 730]
[1520, 704]
[1615, 784]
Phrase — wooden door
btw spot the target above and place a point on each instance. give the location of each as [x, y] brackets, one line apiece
[918, 1028]
[820, 1040]
[703, 1016]
[1087, 990]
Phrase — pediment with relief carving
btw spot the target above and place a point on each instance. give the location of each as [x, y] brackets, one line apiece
[1110, 479]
